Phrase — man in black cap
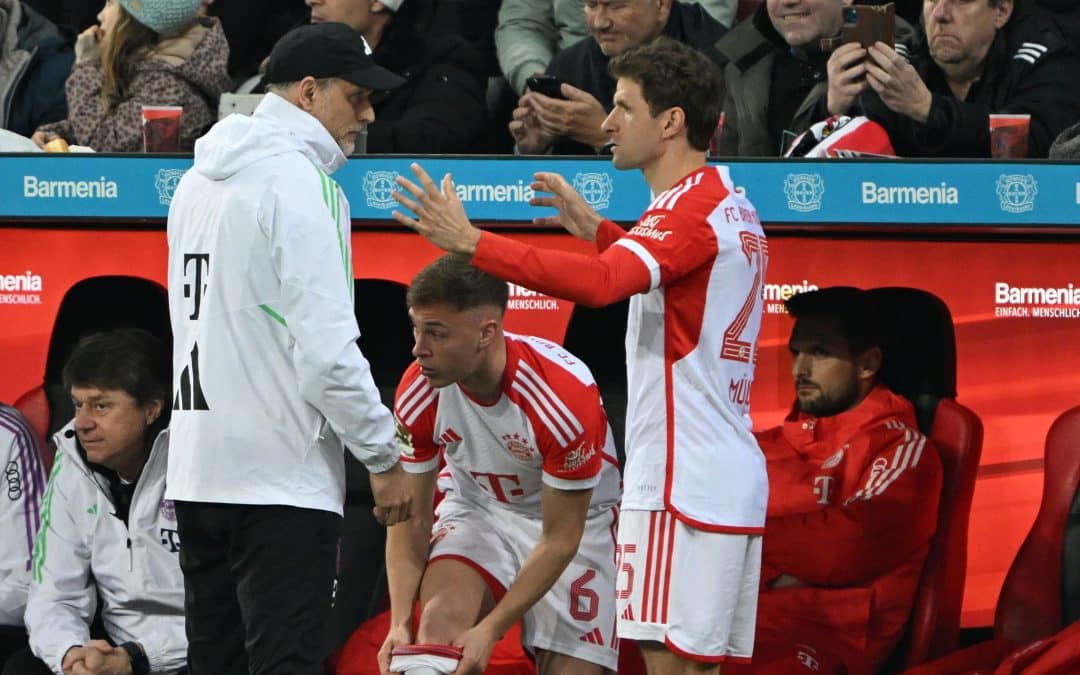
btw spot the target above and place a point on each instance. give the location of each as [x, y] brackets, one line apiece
[269, 382]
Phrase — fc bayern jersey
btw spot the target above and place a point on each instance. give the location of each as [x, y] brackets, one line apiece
[548, 427]
[691, 343]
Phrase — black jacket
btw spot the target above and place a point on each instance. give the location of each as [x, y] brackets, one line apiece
[441, 108]
[584, 66]
[755, 51]
[33, 68]
[1030, 68]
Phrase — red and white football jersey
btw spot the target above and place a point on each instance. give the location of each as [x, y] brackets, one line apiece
[547, 427]
[691, 343]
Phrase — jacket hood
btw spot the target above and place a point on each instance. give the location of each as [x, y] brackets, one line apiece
[277, 127]
[199, 55]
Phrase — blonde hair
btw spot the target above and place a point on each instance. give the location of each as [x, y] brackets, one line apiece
[123, 47]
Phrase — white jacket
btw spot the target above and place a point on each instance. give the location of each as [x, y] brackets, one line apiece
[20, 499]
[135, 569]
[269, 381]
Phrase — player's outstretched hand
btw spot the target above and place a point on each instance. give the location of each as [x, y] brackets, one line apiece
[398, 636]
[440, 215]
[575, 215]
[476, 647]
[392, 491]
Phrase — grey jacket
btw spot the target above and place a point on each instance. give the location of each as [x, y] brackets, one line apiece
[530, 32]
[751, 48]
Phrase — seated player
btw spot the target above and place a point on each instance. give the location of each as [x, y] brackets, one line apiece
[527, 527]
[853, 498]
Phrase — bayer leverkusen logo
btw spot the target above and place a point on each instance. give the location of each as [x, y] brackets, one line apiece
[804, 191]
[1016, 192]
[596, 188]
[379, 187]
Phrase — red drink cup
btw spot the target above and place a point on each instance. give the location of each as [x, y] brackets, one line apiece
[161, 128]
[1009, 136]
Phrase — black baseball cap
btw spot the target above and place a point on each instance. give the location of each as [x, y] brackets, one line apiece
[323, 50]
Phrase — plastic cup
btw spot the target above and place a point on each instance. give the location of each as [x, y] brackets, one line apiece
[161, 128]
[1009, 136]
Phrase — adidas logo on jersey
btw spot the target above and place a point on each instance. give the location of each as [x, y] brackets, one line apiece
[593, 637]
[449, 436]
[628, 613]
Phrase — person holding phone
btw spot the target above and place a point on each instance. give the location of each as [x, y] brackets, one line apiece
[566, 120]
[778, 73]
[981, 57]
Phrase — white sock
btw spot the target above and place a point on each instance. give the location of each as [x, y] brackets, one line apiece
[423, 659]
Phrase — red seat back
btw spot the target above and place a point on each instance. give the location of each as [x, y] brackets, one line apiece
[1030, 605]
[935, 616]
[34, 406]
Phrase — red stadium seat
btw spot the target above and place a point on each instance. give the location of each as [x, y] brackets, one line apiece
[35, 408]
[89, 306]
[1040, 594]
[935, 617]
[920, 364]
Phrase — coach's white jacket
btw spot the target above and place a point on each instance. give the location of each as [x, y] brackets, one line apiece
[136, 569]
[269, 381]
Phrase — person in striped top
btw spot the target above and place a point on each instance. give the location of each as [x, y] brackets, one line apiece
[20, 517]
[853, 498]
[526, 526]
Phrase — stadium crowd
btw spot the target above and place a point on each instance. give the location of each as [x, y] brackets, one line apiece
[82, 74]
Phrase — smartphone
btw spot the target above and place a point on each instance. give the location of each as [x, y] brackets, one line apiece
[865, 24]
[548, 85]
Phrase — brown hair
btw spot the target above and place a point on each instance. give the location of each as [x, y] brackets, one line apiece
[451, 280]
[124, 46]
[675, 75]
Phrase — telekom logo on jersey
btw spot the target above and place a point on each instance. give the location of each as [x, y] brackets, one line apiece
[647, 228]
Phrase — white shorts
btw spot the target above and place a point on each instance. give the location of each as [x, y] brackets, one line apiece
[692, 590]
[576, 616]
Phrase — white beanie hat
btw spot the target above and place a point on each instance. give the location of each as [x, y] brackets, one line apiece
[164, 17]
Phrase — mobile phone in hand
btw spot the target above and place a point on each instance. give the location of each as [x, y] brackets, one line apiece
[548, 85]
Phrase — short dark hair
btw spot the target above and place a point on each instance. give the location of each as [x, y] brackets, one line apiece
[129, 359]
[854, 311]
[453, 281]
[675, 75]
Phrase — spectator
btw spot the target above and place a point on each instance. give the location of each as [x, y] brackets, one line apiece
[271, 386]
[108, 534]
[980, 58]
[853, 497]
[441, 106]
[572, 127]
[530, 33]
[251, 29]
[776, 73]
[35, 57]
[24, 481]
[531, 487]
[142, 52]
[1067, 144]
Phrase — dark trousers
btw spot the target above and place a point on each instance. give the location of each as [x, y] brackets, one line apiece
[258, 584]
[23, 662]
